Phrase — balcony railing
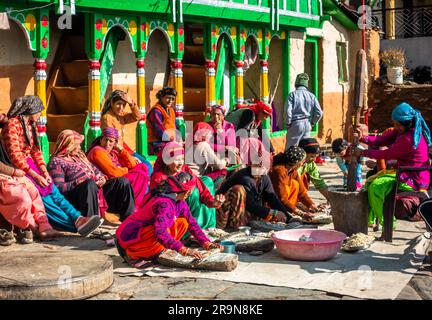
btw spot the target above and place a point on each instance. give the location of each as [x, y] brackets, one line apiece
[312, 7]
[408, 22]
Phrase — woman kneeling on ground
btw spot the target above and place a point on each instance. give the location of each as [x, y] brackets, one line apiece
[83, 184]
[22, 145]
[115, 162]
[248, 190]
[287, 183]
[201, 202]
[163, 222]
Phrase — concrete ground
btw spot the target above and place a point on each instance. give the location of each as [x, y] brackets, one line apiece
[160, 288]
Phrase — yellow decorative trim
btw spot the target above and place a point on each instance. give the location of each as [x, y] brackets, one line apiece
[40, 91]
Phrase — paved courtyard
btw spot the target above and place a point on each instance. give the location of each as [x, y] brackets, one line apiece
[160, 288]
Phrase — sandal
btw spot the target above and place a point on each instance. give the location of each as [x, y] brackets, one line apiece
[6, 238]
[24, 236]
[102, 235]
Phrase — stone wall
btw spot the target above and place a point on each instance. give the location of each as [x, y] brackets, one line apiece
[16, 64]
[384, 97]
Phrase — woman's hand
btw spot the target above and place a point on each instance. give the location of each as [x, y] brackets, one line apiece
[47, 177]
[184, 251]
[41, 181]
[280, 216]
[212, 245]
[313, 208]
[218, 201]
[19, 173]
[307, 216]
[137, 161]
[101, 181]
[362, 130]
[126, 98]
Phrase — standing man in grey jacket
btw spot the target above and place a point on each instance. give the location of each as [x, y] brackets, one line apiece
[303, 111]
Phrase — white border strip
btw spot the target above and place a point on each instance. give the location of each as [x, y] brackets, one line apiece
[234, 5]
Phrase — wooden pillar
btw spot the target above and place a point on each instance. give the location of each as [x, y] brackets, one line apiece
[210, 85]
[141, 134]
[177, 76]
[239, 82]
[40, 77]
[390, 19]
[264, 89]
[94, 100]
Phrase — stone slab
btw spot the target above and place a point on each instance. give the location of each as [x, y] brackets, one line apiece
[214, 260]
[53, 275]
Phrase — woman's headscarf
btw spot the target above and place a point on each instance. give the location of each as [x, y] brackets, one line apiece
[293, 156]
[219, 107]
[201, 131]
[115, 96]
[171, 150]
[404, 112]
[67, 142]
[26, 106]
[310, 145]
[166, 91]
[108, 132]
[258, 106]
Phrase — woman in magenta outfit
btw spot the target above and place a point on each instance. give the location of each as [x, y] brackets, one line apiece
[224, 138]
[162, 222]
[408, 144]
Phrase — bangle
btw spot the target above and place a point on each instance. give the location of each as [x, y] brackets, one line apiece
[13, 173]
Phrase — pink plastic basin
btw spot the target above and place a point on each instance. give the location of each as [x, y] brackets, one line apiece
[325, 244]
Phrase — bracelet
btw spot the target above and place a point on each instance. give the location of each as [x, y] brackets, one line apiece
[13, 173]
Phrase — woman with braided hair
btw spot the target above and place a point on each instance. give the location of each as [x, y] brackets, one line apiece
[22, 145]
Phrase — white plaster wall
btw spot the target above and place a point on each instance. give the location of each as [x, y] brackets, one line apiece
[276, 69]
[332, 33]
[124, 69]
[297, 50]
[417, 50]
[156, 62]
[13, 48]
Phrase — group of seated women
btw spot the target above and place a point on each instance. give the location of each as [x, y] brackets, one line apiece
[188, 189]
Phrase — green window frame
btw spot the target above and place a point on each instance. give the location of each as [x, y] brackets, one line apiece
[341, 52]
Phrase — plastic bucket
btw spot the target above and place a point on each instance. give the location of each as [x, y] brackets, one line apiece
[229, 246]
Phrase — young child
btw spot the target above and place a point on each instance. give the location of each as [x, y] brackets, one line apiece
[342, 149]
